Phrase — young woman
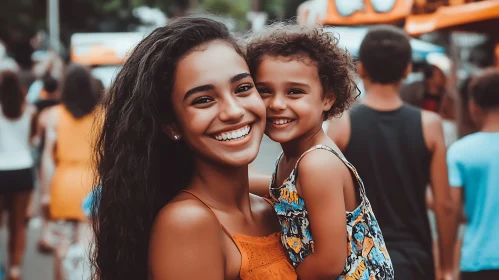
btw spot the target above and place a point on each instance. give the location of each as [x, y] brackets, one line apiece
[16, 164]
[183, 120]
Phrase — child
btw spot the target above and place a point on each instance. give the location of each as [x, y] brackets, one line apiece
[304, 78]
[473, 163]
[398, 150]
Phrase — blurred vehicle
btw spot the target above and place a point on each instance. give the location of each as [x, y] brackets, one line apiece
[104, 53]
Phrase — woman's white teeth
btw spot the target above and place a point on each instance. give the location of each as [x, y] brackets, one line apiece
[281, 121]
[233, 134]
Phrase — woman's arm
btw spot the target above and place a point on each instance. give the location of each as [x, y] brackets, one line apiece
[321, 176]
[259, 183]
[186, 244]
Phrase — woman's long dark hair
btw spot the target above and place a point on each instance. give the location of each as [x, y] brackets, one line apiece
[79, 92]
[139, 168]
[11, 95]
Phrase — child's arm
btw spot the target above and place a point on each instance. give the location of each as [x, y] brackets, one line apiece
[321, 177]
[259, 183]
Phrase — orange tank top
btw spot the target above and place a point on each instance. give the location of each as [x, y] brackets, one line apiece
[261, 257]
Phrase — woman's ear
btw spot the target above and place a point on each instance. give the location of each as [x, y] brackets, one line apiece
[171, 131]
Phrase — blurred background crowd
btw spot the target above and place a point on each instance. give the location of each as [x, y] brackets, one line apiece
[57, 58]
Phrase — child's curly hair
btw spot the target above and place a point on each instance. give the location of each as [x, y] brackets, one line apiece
[335, 66]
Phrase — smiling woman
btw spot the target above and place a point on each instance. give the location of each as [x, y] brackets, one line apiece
[182, 123]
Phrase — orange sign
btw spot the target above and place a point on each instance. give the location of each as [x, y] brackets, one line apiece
[357, 12]
[457, 17]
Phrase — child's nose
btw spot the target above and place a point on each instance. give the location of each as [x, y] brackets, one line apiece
[277, 104]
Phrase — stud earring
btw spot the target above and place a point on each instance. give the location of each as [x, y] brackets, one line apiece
[176, 137]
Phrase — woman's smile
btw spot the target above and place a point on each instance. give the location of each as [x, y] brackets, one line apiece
[234, 137]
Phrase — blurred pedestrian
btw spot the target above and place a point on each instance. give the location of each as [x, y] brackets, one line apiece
[16, 164]
[45, 64]
[473, 164]
[50, 97]
[465, 122]
[398, 149]
[66, 164]
[431, 94]
[50, 94]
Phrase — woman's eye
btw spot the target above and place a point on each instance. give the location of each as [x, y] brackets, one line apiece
[202, 100]
[244, 88]
[296, 91]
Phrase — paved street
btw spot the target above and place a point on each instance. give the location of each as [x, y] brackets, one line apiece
[39, 267]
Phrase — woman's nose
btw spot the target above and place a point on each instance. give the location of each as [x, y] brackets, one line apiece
[231, 110]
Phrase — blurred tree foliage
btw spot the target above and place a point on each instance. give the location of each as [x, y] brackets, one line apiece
[21, 19]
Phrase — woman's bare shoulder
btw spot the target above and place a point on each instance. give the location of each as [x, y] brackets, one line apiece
[186, 239]
[186, 214]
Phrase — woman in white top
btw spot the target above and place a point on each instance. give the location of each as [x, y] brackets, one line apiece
[16, 164]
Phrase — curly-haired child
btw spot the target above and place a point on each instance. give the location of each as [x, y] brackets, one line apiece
[327, 224]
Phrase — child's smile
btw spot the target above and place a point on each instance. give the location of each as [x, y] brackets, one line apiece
[292, 92]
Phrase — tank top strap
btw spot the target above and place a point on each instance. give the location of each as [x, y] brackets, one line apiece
[209, 207]
[343, 159]
[269, 201]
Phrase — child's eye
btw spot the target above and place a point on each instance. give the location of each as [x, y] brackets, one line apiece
[244, 88]
[263, 90]
[202, 100]
[295, 91]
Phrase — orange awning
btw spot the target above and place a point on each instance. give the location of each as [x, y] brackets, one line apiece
[477, 16]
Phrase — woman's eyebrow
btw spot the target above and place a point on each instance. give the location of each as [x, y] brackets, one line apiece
[208, 87]
[198, 89]
[239, 77]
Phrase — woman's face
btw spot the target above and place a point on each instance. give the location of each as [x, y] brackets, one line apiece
[219, 112]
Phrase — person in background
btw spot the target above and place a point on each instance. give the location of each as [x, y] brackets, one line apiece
[48, 64]
[398, 150]
[465, 125]
[50, 94]
[473, 164]
[16, 165]
[431, 94]
[66, 161]
[50, 97]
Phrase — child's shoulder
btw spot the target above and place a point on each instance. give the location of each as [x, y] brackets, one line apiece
[465, 145]
[322, 164]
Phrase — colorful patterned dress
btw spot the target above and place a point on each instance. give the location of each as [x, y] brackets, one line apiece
[367, 257]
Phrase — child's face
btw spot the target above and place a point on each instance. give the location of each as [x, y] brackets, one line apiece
[292, 92]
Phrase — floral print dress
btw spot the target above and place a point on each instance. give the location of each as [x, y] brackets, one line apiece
[367, 257]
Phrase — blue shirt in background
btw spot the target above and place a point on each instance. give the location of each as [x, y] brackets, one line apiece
[473, 164]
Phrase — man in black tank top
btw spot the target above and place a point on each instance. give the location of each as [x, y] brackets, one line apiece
[398, 150]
